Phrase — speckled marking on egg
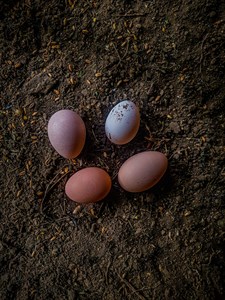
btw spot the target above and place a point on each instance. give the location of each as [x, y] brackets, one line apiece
[122, 123]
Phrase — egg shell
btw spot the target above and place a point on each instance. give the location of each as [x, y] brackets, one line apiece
[88, 185]
[122, 123]
[142, 171]
[67, 133]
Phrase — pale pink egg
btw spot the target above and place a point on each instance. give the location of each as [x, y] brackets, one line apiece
[88, 185]
[142, 171]
[67, 133]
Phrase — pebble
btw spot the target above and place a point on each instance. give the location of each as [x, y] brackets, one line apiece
[174, 126]
[39, 84]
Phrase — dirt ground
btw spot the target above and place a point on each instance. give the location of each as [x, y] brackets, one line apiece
[169, 58]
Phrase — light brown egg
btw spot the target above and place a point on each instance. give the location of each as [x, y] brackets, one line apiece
[67, 133]
[142, 171]
[88, 185]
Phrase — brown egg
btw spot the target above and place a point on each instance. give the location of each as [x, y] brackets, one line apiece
[142, 171]
[88, 185]
[67, 133]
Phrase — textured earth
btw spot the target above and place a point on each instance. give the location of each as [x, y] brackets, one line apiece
[169, 58]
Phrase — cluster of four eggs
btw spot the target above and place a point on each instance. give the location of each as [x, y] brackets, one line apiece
[67, 134]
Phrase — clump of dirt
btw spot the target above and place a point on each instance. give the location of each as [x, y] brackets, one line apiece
[169, 58]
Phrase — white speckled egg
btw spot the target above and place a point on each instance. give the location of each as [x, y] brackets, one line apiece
[122, 123]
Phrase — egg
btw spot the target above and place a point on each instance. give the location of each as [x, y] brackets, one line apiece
[88, 185]
[67, 133]
[142, 171]
[122, 122]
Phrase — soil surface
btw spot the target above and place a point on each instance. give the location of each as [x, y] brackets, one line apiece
[169, 58]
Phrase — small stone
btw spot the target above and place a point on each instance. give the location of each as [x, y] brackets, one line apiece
[84, 92]
[39, 84]
[212, 14]
[77, 210]
[18, 112]
[174, 126]
[221, 223]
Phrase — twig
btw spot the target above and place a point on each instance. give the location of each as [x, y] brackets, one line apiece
[201, 58]
[132, 15]
[106, 272]
[219, 22]
[50, 187]
[130, 286]
[125, 54]
[117, 52]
